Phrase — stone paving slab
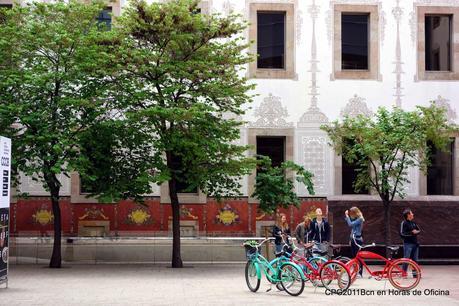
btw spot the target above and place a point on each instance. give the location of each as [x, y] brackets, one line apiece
[200, 284]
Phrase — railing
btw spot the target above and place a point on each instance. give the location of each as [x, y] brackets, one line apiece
[95, 250]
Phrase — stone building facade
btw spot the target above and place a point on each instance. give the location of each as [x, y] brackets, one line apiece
[325, 59]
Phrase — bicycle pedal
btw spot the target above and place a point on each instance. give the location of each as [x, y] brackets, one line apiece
[269, 289]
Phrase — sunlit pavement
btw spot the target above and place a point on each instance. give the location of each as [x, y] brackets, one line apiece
[200, 284]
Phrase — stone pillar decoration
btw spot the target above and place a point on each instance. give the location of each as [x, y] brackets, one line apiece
[311, 147]
[397, 11]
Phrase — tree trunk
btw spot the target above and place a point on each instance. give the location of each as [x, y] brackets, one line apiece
[56, 259]
[387, 229]
[176, 256]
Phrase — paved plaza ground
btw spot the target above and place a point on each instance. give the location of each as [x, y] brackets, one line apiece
[199, 284]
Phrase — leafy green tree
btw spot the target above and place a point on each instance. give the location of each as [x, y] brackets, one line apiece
[52, 84]
[385, 146]
[275, 187]
[180, 82]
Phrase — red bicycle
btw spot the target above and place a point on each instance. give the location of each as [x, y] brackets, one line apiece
[331, 274]
[403, 273]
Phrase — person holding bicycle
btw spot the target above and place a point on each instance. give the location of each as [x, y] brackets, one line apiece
[320, 232]
[354, 219]
[409, 232]
[281, 231]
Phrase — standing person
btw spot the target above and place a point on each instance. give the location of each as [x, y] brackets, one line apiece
[280, 231]
[354, 219]
[409, 232]
[303, 232]
[320, 232]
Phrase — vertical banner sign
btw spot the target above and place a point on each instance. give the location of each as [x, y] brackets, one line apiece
[5, 179]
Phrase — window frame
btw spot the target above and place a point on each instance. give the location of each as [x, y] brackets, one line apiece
[453, 157]
[373, 71]
[421, 73]
[288, 72]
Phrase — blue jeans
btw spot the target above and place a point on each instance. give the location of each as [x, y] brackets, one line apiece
[410, 250]
[278, 248]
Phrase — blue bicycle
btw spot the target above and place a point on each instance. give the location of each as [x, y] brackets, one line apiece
[277, 271]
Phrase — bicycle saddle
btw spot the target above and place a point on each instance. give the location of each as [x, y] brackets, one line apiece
[393, 248]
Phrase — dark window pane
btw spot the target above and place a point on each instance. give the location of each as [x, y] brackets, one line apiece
[104, 20]
[271, 39]
[273, 147]
[182, 185]
[7, 6]
[354, 41]
[440, 172]
[349, 176]
[438, 42]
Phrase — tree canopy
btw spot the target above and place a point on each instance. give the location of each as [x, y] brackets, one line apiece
[52, 88]
[385, 146]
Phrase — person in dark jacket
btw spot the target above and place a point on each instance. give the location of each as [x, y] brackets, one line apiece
[320, 229]
[409, 232]
[280, 232]
[303, 233]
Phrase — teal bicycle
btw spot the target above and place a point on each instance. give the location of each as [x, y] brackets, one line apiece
[279, 271]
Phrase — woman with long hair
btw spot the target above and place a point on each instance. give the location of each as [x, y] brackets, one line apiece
[280, 231]
[354, 219]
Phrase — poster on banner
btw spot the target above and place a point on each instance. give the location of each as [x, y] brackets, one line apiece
[5, 175]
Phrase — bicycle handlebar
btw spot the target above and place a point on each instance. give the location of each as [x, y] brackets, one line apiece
[362, 246]
[264, 241]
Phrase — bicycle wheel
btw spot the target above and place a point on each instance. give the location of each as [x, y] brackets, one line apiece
[404, 274]
[291, 279]
[316, 263]
[251, 276]
[334, 276]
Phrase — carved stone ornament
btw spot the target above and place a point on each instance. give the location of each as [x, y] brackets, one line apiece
[313, 116]
[271, 113]
[356, 106]
[228, 7]
[450, 112]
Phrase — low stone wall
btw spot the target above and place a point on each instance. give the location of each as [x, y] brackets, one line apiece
[129, 250]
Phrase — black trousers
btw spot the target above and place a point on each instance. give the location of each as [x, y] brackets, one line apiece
[355, 250]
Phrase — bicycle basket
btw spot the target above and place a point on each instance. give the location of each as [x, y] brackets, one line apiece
[250, 248]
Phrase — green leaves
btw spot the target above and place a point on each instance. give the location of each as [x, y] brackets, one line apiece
[51, 84]
[385, 146]
[178, 81]
[275, 187]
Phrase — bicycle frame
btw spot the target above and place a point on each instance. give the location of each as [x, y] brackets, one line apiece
[267, 267]
[361, 256]
[305, 264]
[366, 255]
